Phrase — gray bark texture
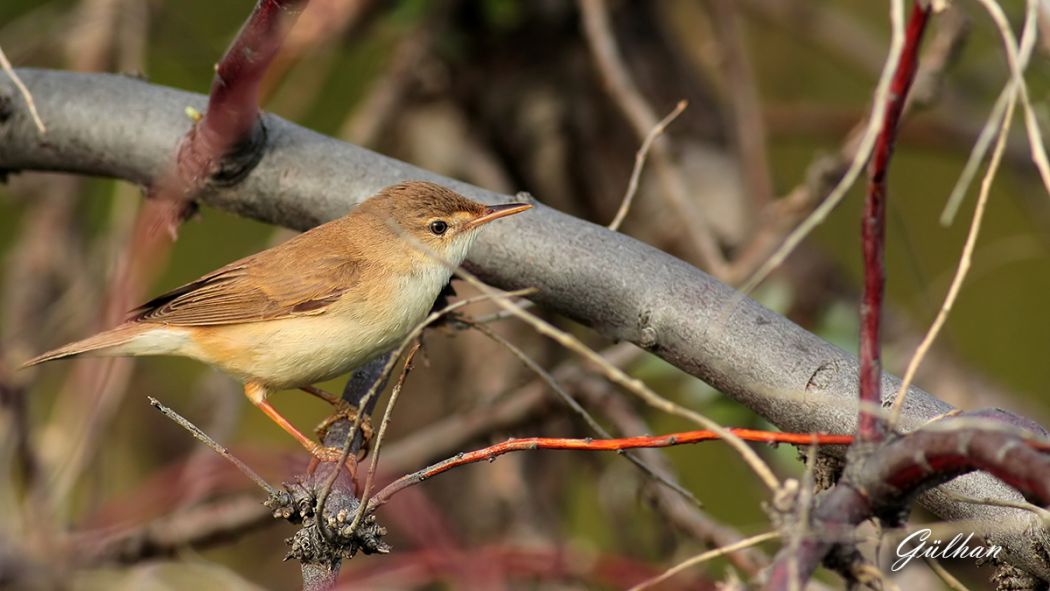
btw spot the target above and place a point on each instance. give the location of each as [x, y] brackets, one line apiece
[115, 126]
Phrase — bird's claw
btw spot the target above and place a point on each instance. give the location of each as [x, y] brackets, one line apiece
[346, 411]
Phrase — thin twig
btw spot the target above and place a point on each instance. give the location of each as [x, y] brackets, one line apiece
[1018, 63]
[589, 444]
[804, 505]
[391, 362]
[639, 163]
[870, 426]
[1013, 51]
[867, 142]
[964, 260]
[219, 449]
[945, 576]
[394, 394]
[632, 385]
[1043, 514]
[602, 44]
[704, 557]
[582, 412]
[28, 96]
[973, 162]
[502, 314]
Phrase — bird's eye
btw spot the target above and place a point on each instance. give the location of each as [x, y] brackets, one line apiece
[438, 227]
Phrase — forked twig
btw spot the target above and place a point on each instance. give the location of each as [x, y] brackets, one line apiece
[867, 143]
[624, 92]
[639, 163]
[1018, 64]
[1013, 58]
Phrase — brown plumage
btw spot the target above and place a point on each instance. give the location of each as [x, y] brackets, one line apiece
[316, 306]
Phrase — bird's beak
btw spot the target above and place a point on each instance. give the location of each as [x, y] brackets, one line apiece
[495, 212]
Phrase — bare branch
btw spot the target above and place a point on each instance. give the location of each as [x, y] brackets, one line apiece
[623, 289]
[870, 427]
[28, 96]
[883, 483]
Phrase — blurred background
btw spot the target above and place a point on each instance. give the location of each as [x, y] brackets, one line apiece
[507, 95]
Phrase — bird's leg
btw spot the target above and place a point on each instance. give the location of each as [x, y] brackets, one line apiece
[257, 394]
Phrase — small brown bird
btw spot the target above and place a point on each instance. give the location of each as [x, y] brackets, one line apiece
[315, 307]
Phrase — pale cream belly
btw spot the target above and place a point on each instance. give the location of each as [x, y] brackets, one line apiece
[303, 350]
[293, 352]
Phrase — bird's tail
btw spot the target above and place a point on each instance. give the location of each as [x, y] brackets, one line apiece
[104, 343]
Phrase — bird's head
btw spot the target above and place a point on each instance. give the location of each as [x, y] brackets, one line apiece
[429, 217]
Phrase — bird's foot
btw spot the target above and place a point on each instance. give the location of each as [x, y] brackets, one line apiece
[346, 411]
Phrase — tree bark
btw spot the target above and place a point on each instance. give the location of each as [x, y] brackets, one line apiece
[116, 126]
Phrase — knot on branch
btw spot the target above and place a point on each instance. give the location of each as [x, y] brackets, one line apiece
[827, 470]
[242, 157]
[887, 502]
[7, 107]
[326, 540]
[1011, 578]
[783, 507]
[850, 564]
[823, 377]
[203, 158]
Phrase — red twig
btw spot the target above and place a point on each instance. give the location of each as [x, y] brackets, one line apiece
[226, 142]
[233, 105]
[530, 443]
[888, 479]
[222, 146]
[870, 427]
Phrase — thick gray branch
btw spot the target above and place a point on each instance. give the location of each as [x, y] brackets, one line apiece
[122, 127]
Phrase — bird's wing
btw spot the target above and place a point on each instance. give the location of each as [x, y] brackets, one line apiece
[255, 288]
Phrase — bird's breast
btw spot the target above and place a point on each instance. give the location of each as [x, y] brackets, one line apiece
[298, 351]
